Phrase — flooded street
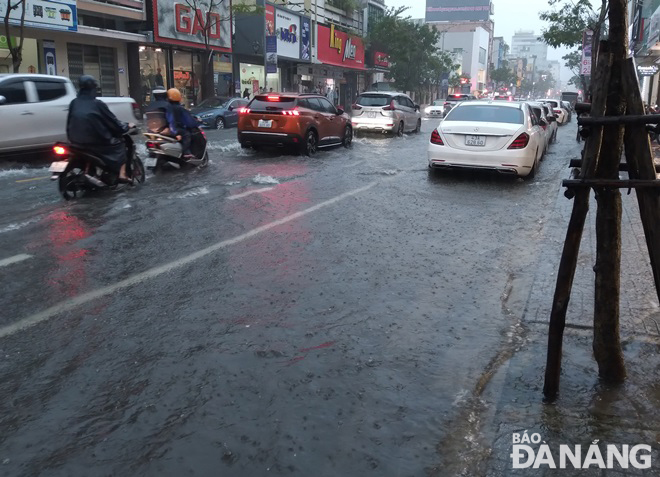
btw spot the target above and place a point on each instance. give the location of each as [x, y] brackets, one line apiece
[350, 314]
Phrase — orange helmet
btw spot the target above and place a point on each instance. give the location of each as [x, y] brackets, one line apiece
[174, 94]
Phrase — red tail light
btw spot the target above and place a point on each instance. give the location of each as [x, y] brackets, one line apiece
[520, 142]
[273, 98]
[356, 107]
[391, 107]
[292, 112]
[557, 111]
[446, 103]
[436, 139]
[152, 145]
[60, 150]
[244, 111]
[136, 111]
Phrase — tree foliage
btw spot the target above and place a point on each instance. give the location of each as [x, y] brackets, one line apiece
[15, 45]
[504, 75]
[414, 56]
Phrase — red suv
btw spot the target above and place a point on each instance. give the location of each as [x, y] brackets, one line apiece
[305, 122]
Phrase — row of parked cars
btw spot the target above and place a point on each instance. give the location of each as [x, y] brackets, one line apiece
[509, 137]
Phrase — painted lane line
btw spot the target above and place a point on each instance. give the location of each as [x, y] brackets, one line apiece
[249, 192]
[75, 302]
[34, 179]
[16, 258]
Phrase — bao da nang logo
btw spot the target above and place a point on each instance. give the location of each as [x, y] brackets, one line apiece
[531, 451]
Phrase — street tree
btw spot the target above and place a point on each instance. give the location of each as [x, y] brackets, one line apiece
[15, 45]
[208, 18]
[504, 75]
[414, 56]
[568, 20]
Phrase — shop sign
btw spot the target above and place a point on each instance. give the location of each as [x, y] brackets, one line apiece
[271, 54]
[339, 48]
[4, 44]
[381, 60]
[44, 14]
[50, 59]
[585, 65]
[305, 36]
[287, 31]
[647, 70]
[180, 24]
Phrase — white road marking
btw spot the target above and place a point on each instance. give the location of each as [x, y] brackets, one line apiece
[353, 164]
[16, 258]
[249, 192]
[75, 302]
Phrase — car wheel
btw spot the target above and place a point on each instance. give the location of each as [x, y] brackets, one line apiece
[419, 126]
[348, 137]
[399, 132]
[532, 173]
[220, 123]
[311, 144]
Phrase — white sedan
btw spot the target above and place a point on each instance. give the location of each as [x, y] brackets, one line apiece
[492, 135]
[557, 108]
[435, 109]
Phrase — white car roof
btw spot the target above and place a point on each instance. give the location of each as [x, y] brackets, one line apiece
[384, 93]
[30, 76]
[506, 104]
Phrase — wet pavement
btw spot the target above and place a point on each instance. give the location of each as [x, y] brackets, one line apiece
[348, 314]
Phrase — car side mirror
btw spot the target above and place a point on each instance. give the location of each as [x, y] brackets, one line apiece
[340, 111]
[230, 108]
[417, 107]
[3, 100]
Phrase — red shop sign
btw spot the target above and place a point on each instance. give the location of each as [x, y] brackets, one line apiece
[382, 60]
[340, 49]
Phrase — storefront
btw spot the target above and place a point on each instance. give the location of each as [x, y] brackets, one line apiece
[343, 73]
[175, 59]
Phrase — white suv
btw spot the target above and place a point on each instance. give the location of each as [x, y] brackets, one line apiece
[34, 109]
[385, 112]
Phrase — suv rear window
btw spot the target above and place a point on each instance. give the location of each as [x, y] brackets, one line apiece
[278, 103]
[487, 114]
[374, 100]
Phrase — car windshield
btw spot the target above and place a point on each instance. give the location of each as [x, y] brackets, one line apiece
[374, 100]
[213, 103]
[272, 103]
[486, 113]
[437, 102]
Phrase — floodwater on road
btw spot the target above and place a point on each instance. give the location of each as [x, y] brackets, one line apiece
[345, 314]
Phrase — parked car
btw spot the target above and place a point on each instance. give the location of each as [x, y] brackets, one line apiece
[34, 108]
[553, 126]
[500, 136]
[453, 99]
[385, 112]
[219, 113]
[302, 121]
[539, 110]
[560, 112]
[436, 109]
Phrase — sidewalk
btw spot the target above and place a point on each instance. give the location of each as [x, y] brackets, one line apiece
[586, 410]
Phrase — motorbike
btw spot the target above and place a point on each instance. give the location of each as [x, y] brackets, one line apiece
[78, 171]
[166, 151]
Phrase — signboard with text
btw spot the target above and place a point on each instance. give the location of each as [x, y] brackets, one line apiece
[287, 31]
[461, 10]
[339, 48]
[585, 65]
[305, 39]
[178, 23]
[44, 14]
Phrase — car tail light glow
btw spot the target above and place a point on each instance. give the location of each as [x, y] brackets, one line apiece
[356, 107]
[391, 107]
[292, 112]
[136, 111]
[152, 145]
[273, 98]
[244, 111]
[520, 142]
[436, 139]
[60, 150]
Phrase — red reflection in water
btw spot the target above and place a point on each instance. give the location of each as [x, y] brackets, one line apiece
[68, 276]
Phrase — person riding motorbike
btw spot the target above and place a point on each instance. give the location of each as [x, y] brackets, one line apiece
[156, 113]
[91, 126]
[180, 121]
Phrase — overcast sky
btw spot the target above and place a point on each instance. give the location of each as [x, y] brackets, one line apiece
[510, 16]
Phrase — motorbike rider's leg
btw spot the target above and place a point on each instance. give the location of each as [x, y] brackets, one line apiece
[186, 140]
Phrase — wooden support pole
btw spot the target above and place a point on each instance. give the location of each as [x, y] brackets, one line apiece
[569, 257]
[607, 340]
[639, 157]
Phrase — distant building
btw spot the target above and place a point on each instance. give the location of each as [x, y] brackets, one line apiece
[500, 50]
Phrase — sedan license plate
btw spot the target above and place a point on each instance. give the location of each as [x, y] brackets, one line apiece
[263, 123]
[58, 166]
[371, 114]
[475, 140]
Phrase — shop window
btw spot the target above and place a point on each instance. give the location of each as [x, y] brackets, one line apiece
[50, 90]
[98, 61]
[14, 93]
[153, 71]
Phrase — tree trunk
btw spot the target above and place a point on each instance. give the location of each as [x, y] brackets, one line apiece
[207, 81]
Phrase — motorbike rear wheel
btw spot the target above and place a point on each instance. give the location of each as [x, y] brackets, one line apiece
[205, 160]
[71, 182]
[137, 170]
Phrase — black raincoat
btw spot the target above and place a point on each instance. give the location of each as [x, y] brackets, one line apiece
[93, 127]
